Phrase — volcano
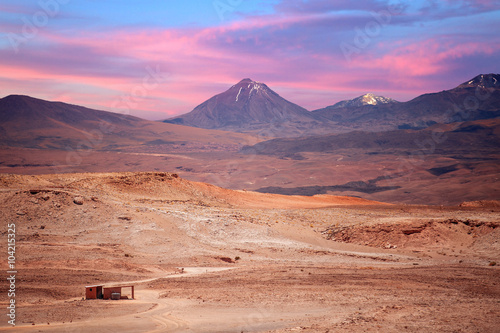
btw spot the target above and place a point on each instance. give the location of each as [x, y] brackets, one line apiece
[251, 106]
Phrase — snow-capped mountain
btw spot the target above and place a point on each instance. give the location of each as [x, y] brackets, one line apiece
[483, 81]
[367, 99]
[251, 106]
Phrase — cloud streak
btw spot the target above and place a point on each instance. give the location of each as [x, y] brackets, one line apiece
[295, 50]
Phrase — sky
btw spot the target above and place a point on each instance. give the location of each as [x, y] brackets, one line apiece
[157, 59]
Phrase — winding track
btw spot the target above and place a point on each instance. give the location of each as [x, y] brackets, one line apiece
[157, 319]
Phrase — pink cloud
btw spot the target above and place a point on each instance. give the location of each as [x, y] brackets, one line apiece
[297, 55]
[429, 57]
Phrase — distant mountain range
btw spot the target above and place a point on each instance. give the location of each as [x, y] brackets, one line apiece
[476, 99]
[247, 107]
[253, 107]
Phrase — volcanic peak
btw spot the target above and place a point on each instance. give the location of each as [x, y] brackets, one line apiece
[367, 99]
[483, 81]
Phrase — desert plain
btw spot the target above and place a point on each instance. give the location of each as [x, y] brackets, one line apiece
[207, 259]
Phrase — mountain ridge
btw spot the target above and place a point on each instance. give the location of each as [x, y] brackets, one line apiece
[36, 123]
[366, 99]
[472, 134]
[252, 107]
[475, 99]
[28, 107]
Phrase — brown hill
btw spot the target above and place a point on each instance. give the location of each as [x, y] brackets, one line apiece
[144, 186]
[34, 123]
[482, 135]
[443, 164]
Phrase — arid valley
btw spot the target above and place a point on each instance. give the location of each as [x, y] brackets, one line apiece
[207, 259]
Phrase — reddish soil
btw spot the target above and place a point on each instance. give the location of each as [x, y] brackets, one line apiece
[207, 259]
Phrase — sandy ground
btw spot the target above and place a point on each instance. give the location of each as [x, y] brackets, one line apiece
[206, 259]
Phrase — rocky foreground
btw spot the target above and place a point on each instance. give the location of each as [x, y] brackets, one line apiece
[207, 259]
